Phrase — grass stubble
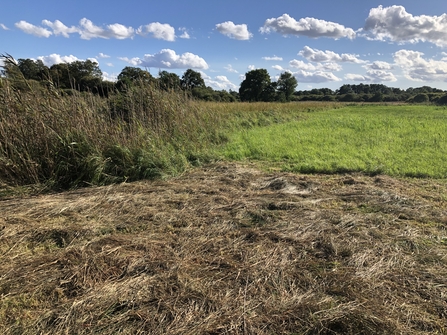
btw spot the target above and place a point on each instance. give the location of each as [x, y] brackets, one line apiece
[228, 249]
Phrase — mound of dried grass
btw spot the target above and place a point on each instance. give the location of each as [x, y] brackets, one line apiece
[228, 249]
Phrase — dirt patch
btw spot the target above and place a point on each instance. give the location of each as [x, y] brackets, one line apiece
[228, 249]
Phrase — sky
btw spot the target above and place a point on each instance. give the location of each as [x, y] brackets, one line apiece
[323, 43]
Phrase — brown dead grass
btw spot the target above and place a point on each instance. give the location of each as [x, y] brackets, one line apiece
[228, 249]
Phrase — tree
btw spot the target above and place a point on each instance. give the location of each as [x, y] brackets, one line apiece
[286, 85]
[192, 79]
[80, 75]
[31, 69]
[134, 73]
[256, 86]
[130, 75]
[168, 81]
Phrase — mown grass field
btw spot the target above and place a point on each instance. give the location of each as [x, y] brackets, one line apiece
[391, 139]
[124, 216]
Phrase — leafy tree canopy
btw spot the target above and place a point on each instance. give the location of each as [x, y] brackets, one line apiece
[192, 79]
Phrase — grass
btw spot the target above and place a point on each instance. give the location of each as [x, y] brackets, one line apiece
[395, 140]
[223, 248]
[228, 249]
[61, 141]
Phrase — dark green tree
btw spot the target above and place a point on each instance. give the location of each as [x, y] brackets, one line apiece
[129, 76]
[192, 79]
[31, 69]
[168, 81]
[135, 73]
[286, 85]
[256, 86]
[79, 75]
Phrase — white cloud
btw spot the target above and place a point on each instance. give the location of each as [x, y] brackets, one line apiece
[378, 76]
[355, 77]
[221, 83]
[109, 76]
[88, 31]
[32, 29]
[229, 68]
[315, 77]
[251, 67]
[417, 68]
[278, 68]
[235, 31]
[59, 28]
[161, 31]
[110, 64]
[3, 26]
[184, 34]
[57, 59]
[299, 64]
[102, 55]
[310, 27]
[168, 59]
[397, 25]
[132, 61]
[372, 76]
[275, 58]
[379, 65]
[315, 55]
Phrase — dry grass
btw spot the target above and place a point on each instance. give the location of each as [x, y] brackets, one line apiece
[227, 249]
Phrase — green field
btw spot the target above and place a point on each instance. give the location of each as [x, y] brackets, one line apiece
[395, 140]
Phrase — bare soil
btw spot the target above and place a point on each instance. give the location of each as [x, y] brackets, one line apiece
[228, 249]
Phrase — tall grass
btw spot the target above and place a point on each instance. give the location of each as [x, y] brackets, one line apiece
[65, 141]
[396, 140]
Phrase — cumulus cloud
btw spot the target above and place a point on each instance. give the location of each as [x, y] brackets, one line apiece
[168, 59]
[378, 76]
[279, 68]
[310, 27]
[355, 77]
[184, 34]
[3, 26]
[299, 64]
[88, 30]
[417, 68]
[315, 55]
[274, 58]
[132, 61]
[397, 25]
[372, 76]
[57, 59]
[229, 68]
[251, 67]
[102, 55]
[379, 65]
[59, 28]
[234, 31]
[221, 83]
[315, 77]
[109, 76]
[161, 31]
[31, 29]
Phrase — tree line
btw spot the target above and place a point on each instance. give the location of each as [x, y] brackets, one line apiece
[257, 86]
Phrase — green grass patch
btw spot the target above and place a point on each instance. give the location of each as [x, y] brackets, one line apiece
[395, 140]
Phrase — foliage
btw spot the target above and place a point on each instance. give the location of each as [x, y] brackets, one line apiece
[192, 79]
[286, 85]
[256, 86]
[168, 81]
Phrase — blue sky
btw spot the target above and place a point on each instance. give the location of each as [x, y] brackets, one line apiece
[324, 43]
